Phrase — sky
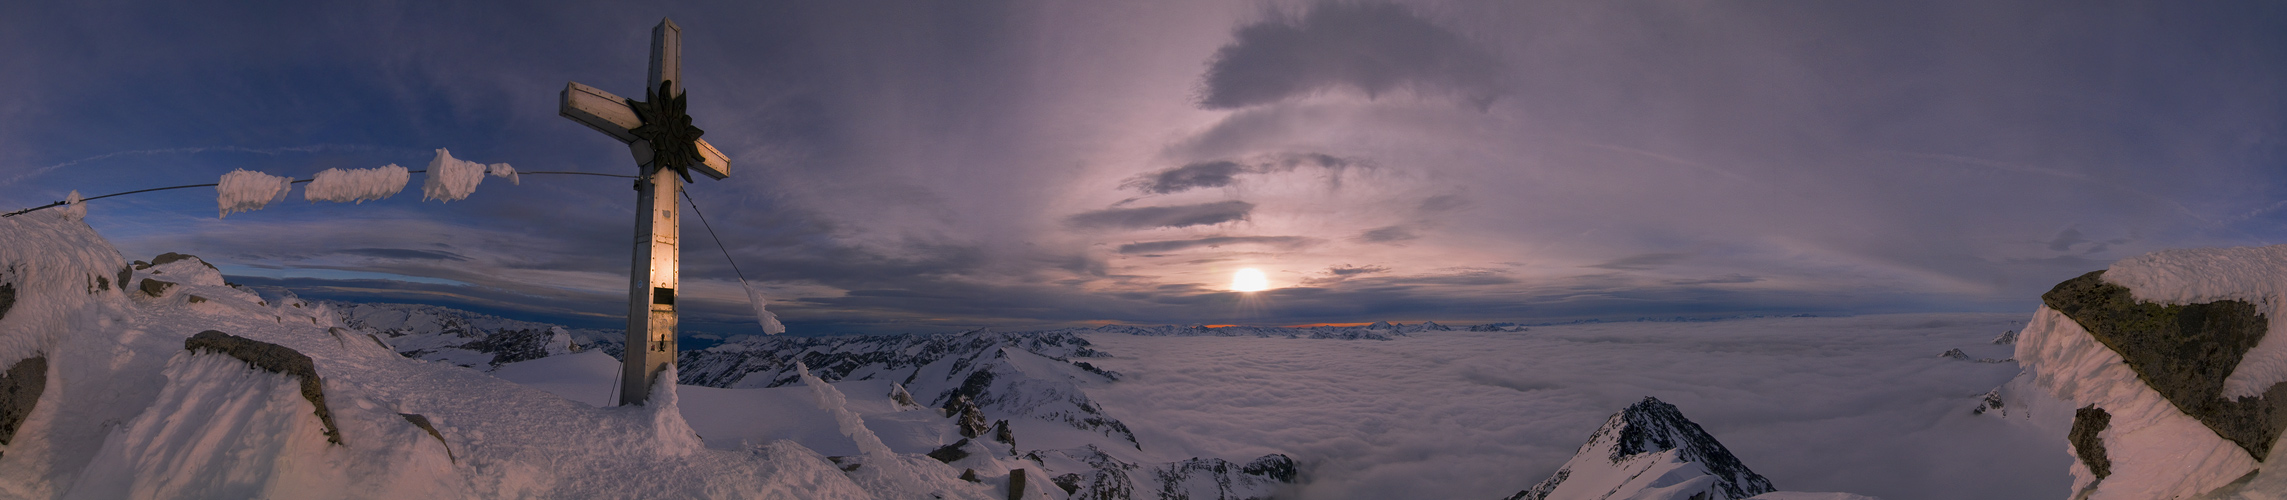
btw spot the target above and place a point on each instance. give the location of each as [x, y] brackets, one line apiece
[934, 166]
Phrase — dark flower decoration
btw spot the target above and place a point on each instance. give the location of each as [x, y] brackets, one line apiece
[674, 142]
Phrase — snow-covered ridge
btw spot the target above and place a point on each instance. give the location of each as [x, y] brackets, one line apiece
[125, 410]
[460, 337]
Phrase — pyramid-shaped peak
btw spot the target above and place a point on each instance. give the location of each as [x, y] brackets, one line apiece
[1650, 446]
[1380, 325]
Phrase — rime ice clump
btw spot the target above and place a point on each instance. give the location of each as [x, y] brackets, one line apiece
[451, 179]
[357, 185]
[503, 170]
[831, 399]
[74, 206]
[246, 191]
[770, 324]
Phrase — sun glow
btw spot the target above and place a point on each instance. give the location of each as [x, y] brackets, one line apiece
[1250, 280]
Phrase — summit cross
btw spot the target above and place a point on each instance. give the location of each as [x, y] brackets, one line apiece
[667, 148]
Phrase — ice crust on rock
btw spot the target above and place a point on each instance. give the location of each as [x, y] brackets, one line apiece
[451, 179]
[357, 185]
[246, 191]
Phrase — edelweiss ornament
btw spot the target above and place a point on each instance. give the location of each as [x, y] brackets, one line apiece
[674, 141]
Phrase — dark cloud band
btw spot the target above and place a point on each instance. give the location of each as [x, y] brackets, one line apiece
[1169, 216]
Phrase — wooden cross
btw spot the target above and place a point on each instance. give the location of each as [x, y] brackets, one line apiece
[651, 316]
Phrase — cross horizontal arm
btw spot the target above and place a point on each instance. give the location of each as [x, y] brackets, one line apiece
[609, 114]
[599, 110]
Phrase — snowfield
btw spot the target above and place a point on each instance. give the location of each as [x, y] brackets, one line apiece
[443, 404]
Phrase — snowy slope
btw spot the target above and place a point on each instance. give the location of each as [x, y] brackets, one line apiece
[126, 409]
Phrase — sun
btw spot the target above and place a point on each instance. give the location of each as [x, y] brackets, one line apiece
[1250, 280]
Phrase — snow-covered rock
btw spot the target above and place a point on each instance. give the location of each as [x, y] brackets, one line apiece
[2167, 360]
[1649, 451]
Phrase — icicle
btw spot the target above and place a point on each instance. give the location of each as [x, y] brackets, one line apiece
[246, 191]
[831, 399]
[357, 185]
[76, 208]
[451, 179]
[770, 324]
[503, 170]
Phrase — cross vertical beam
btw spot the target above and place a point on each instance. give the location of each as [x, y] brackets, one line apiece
[651, 318]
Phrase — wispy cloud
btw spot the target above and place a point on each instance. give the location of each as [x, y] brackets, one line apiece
[1167, 216]
[1281, 242]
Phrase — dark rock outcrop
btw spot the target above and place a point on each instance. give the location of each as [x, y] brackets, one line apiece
[950, 452]
[2087, 423]
[7, 298]
[272, 358]
[154, 287]
[20, 389]
[1991, 402]
[423, 422]
[2184, 352]
[171, 257]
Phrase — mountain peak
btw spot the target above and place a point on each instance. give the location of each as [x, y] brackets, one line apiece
[1649, 448]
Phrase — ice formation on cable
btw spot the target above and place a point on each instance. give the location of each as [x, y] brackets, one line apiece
[770, 324]
[831, 399]
[451, 179]
[76, 208]
[357, 185]
[246, 191]
[503, 170]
